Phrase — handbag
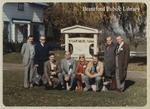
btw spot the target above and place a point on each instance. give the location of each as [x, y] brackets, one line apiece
[36, 77]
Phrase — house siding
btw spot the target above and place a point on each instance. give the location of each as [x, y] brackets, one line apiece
[31, 13]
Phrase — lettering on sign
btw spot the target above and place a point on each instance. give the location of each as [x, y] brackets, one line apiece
[71, 40]
[79, 45]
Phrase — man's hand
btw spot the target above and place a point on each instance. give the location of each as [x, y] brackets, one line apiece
[50, 83]
[79, 73]
[94, 75]
[36, 65]
[82, 74]
[97, 74]
[51, 77]
[53, 73]
[67, 77]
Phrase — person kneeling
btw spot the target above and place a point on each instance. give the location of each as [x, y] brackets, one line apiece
[93, 74]
[68, 76]
[51, 71]
[80, 71]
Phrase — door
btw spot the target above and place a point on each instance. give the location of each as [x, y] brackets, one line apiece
[21, 32]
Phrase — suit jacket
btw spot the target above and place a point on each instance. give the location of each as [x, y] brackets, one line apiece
[25, 52]
[109, 57]
[48, 70]
[122, 62]
[99, 68]
[65, 66]
[41, 53]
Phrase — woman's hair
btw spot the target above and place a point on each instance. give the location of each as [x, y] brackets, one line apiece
[81, 55]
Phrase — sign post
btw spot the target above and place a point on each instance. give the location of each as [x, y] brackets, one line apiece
[81, 45]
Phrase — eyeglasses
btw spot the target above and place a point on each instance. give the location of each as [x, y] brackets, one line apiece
[108, 40]
[42, 39]
[82, 57]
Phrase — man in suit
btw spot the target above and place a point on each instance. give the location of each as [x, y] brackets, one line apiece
[68, 76]
[28, 53]
[93, 74]
[41, 54]
[122, 58]
[109, 58]
[109, 62]
[51, 71]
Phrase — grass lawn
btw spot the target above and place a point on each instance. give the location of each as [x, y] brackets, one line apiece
[136, 64]
[15, 95]
[17, 58]
[136, 67]
[12, 58]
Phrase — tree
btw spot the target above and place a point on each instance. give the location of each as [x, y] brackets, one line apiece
[127, 23]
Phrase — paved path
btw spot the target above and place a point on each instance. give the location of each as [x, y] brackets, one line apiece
[136, 74]
[131, 74]
[10, 66]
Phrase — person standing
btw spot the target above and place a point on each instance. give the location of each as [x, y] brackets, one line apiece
[109, 60]
[68, 77]
[93, 74]
[28, 53]
[122, 58]
[41, 54]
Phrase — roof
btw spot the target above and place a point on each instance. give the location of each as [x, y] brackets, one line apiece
[40, 3]
[79, 29]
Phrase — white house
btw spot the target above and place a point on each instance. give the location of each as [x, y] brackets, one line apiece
[23, 19]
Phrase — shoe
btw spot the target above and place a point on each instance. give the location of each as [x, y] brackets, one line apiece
[122, 89]
[106, 83]
[70, 89]
[31, 85]
[79, 89]
[104, 88]
[90, 89]
[119, 90]
[62, 87]
[26, 87]
[97, 91]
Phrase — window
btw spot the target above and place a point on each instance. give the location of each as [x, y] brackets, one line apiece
[5, 31]
[21, 6]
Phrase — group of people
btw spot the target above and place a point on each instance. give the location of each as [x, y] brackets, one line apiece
[69, 74]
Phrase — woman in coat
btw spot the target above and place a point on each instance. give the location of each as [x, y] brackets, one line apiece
[80, 71]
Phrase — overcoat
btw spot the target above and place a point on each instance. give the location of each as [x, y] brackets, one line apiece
[122, 59]
[109, 60]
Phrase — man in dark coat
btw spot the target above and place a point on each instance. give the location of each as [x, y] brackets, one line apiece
[122, 58]
[109, 58]
[41, 54]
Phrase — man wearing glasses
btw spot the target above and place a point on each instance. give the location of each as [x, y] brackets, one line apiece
[109, 61]
[51, 72]
[68, 77]
[41, 55]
